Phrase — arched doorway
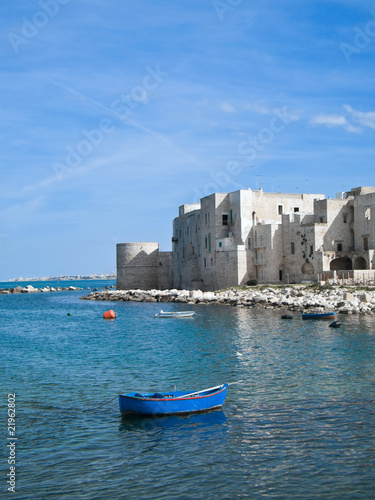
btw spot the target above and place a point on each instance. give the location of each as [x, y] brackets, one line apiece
[308, 268]
[342, 264]
[360, 263]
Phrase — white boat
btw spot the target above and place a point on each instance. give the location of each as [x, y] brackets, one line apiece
[174, 314]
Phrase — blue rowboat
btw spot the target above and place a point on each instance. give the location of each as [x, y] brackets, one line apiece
[171, 403]
[324, 315]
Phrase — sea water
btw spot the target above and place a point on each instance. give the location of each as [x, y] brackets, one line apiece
[301, 424]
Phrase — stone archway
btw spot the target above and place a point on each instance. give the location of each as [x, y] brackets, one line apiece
[360, 263]
[342, 264]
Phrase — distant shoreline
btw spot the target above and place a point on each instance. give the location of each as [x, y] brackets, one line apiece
[64, 278]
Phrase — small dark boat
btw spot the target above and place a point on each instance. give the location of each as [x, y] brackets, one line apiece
[335, 324]
[286, 316]
[323, 315]
[171, 403]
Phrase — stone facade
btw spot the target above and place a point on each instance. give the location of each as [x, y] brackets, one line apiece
[229, 239]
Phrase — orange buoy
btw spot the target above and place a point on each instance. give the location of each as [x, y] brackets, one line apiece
[109, 314]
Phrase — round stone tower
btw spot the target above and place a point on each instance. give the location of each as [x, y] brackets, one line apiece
[137, 265]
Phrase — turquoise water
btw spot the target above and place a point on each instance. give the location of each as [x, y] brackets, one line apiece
[301, 425]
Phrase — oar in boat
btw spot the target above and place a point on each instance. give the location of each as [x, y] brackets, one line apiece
[206, 390]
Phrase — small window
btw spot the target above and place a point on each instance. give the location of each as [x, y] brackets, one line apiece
[160, 263]
[339, 247]
[365, 243]
[205, 242]
[231, 216]
[225, 219]
[280, 275]
[262, 275]
[261, 239]
[292, 247]
[321, 220]
[249, 243]
[280, 210]
[296, 209]
[368, 214]
[311, 249]
[345, 218]
[220, 244]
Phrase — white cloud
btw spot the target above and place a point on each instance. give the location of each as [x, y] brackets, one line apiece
[366, 119]
[227, 107]
[329, 120]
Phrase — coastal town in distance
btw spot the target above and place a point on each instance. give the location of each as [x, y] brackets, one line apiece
[69, 278]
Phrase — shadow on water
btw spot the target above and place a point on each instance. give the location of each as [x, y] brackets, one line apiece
[138, 423]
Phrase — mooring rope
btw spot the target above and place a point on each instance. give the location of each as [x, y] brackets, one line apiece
[107, 403]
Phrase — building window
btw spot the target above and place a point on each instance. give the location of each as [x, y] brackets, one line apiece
[368, 214]
[205, 242]
[261, 239]
[209, 242]
[280, 210]
[339, 247]
[296, 209]
[249, 242]
[262, 275]
[280, 275]
[261, 257]
[225, 219]
[205, 262]
[231, 216]
[160, 263]
[292, 247]
[365, 243]
[220, 244]
[321, 220]
[345, 218]
[311, 250]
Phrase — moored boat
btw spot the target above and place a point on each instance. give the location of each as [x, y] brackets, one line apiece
[319, 315]
[174, 314]
[171, 403]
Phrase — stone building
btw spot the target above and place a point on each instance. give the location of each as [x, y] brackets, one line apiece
[230, 239]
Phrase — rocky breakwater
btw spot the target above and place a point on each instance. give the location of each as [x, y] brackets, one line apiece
[290, 298]
[31, 289]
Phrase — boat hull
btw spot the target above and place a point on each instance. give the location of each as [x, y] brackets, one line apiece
[177, 314]
[173, 403]
[329, 315]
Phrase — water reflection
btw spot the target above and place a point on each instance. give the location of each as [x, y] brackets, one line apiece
[202, 421]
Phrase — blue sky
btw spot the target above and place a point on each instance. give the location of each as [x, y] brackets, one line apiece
[115, 113]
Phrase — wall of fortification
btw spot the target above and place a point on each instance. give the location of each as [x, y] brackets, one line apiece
[137, 265]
